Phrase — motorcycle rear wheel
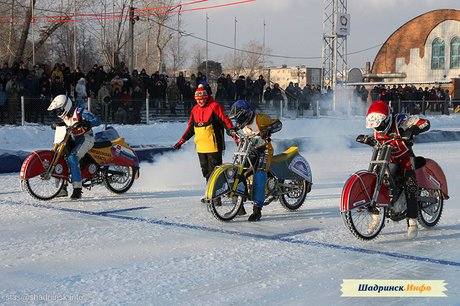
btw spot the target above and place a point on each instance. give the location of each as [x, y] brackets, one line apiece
[292, 200]
[118, 179]
[225, 208]
[42, 188]
[429, 214]
[360, 222]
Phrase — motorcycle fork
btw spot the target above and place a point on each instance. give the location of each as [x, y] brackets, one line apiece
[379, 158]
[58, 148]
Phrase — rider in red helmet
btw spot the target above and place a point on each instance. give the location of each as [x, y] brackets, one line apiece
[401, 128]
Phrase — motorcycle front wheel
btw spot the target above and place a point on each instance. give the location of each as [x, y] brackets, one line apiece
[225, 208]
[294, 194]
[364, 223]
[118, 179]
[429, 212]
[43, 188]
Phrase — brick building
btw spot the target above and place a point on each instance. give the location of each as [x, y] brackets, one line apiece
[426, 48]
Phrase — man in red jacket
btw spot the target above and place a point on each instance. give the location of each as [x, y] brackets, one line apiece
[207, 122]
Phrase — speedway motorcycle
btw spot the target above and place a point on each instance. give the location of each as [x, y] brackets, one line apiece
[112, 163]
[289, 179]
[370, 196]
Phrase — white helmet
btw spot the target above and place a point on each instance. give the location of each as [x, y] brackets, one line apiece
[62, 104]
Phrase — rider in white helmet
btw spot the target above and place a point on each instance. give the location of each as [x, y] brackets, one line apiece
[80, 122]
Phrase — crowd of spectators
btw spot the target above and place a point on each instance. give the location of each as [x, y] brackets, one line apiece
[119, 97]
[408, 98]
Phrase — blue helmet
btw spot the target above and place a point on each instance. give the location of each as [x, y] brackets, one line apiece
[242, 112]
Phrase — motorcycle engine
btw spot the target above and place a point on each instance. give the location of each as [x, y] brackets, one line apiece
[400, 204]
[271, 184]
[92, 168]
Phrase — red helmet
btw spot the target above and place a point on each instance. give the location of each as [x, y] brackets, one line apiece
[379, 117]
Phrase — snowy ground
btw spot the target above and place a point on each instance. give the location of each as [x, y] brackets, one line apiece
[158, 245]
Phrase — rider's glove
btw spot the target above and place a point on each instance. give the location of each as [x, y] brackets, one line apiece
[266, 135]
[231, 131]
[366, 139]
[83, 124]
[179, 144]
[236, 139]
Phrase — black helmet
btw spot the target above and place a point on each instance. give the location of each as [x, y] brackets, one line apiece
[242, 112]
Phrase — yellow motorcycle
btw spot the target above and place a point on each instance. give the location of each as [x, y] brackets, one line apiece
[289, 180]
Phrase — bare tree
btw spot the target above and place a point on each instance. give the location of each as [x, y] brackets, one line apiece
[161, 24]
[198, 56]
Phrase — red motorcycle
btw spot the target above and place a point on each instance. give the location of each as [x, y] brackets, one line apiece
[112, 163]
[370, 196]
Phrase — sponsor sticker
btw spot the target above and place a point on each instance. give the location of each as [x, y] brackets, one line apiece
[393, 288]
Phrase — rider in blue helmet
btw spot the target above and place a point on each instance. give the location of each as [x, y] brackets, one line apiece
[260, 126]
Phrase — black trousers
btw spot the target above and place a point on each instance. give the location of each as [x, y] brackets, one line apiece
[208, 161]
[411, 189]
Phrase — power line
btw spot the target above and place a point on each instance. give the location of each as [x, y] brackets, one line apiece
[182, 33]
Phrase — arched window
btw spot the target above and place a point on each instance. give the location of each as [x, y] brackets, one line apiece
[438, 54]
[455, 53]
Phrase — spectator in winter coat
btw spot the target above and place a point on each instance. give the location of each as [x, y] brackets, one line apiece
[260, 86]
[104, 99]
[32, 91]
[2, 103]
[188, 98]
[181, 84]
[278, 99]
[173, 96]
[13, 89]
[117, 84]
[80, 93]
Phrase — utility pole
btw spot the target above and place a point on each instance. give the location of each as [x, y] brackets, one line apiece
[206, 73]
[178, 40]
[234, 49]
[263, 48]
[131, 37]
[75, 33]
[33, 31]
[114, 37]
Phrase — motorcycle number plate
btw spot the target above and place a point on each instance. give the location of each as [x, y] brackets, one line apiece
[59, 135]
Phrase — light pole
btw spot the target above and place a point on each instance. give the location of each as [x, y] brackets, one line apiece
[131, 37]
[178, 41]
[75, 34]
[33, 31]
[263, 47]
[234, 49]
[206, 73]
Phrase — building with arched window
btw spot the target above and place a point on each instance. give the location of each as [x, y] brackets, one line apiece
[426, 48]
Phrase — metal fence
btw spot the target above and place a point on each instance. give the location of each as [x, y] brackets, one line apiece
[145, 111]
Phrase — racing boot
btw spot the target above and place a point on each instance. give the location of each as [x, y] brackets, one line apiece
[76, 194]
[375, 222]
[256, 214]
[412, 228]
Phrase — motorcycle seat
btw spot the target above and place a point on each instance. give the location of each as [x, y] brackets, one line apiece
[286, 155]
[419, 162]
[102, 144]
